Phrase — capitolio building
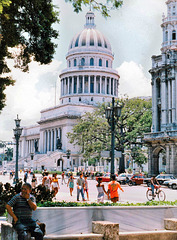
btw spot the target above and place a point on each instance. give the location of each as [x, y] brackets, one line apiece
[88, 79]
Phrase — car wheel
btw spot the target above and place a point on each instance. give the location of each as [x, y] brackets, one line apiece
[173, 186]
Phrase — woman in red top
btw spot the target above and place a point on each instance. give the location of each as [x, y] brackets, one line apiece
[113, 189]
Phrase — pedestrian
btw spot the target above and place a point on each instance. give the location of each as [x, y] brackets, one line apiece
[80, 187]
[46, 181]
[71, 184]
[101, 191]
[25, 176]
[20, 208]
[55, 184]
[33, 181]
[113, 189]
[63, 178]
[86, 186]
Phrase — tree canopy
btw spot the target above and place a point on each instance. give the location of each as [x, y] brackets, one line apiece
[27, 26]
[103, 6]
[93, 134]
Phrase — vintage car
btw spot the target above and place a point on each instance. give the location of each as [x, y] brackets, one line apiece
[136, 179]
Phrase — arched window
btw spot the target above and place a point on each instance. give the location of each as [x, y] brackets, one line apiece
[166, 36]
[75, 62]
[91, 62]
[100, 62]
[173, 35]
[82, 61]
[106, 63]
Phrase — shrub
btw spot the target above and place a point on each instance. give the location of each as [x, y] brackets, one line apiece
[7, 192]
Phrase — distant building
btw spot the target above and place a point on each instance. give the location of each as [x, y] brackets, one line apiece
[89, 79]
[163, 138]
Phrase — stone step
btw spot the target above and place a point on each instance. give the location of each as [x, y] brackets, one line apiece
[149, 235]
[88, 236]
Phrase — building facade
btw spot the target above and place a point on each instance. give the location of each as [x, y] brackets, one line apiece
[88, 79]
[162, 140]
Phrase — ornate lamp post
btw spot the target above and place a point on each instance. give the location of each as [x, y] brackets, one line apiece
[68, 154]
[17, 134]
[32, 156]
[112, 113]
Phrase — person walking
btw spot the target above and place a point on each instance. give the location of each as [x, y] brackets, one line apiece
[101, 191]
[25, 176]
[63, 178]
[86, 186]
[71, 184]
[33, 181]
[55, 184]
[80, 187]
[113, 189]
[20, 208]
[46, 181]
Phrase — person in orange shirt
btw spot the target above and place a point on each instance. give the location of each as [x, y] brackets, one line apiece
[113, 189]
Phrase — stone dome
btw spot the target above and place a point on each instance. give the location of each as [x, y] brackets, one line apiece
[90, 38]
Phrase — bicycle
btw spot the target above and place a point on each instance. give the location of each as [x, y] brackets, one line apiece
[157, 193]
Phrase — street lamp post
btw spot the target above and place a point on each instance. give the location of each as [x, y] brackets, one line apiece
[32, 157]
[112, 113]
[17, 134]
[68, 154]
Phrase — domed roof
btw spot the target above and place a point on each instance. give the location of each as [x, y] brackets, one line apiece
[90, 38]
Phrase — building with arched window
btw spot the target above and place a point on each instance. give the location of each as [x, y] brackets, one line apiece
[87, 81]
[163, 139]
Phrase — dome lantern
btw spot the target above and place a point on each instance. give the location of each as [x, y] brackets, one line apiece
[90, 17]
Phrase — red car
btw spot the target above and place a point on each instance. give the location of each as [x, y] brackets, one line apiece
[105, 178]
[136, 179]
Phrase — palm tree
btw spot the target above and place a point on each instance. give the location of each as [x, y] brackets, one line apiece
[9, 153]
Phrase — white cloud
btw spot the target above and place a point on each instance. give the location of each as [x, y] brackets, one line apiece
[31, 93]
[133, 81]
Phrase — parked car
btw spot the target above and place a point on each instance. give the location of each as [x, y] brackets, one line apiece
[161, 178]
[123, 177]
[172, 184]
[136, 179]
[105, 177]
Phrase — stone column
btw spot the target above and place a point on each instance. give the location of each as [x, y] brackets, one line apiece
[105, 85]
[172, 159]
[169, 101]
[167, 159]
[113, 80]
[55, 139]
[163, 101]
[154, 106]
[89, 84]
[150, 158]
[173, 100]
[77, 84]
[94, 84]
[100, 84]
[68, 84]
[83, 84]
[72, 90]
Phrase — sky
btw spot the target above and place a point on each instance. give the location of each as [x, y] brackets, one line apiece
[135, 35]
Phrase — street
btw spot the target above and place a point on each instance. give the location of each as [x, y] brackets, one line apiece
[131, 194]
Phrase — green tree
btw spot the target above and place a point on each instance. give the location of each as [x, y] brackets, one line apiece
[28, 25]
[103, 6]
[9, 153]
[93, 135]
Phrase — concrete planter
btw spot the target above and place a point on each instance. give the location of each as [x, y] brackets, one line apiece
[76, 220]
